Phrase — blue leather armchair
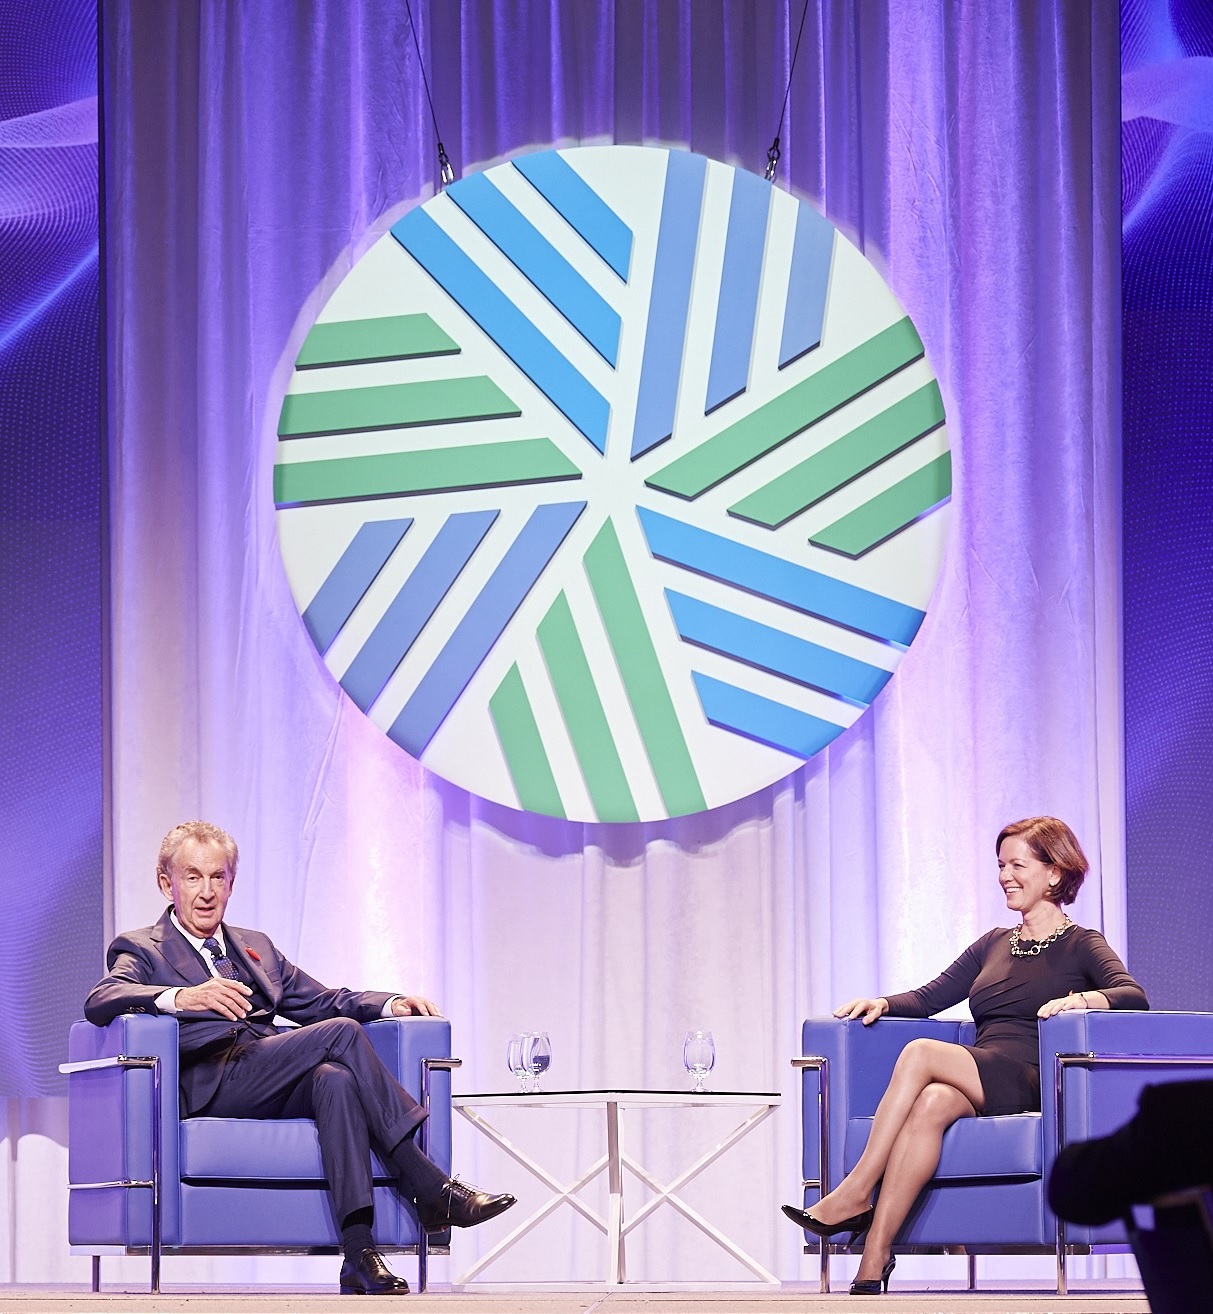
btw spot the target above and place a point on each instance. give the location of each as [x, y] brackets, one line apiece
[144, 1180]
[988, 1194]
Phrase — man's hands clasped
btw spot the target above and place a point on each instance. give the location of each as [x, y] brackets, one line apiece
[218, 995]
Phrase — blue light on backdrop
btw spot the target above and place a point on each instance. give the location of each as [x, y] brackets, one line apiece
[50, 534]
[1167, 136]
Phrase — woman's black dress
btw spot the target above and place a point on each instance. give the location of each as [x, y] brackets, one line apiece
[1004, 993]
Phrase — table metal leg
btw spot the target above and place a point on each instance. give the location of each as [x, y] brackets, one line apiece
[616, 1225]
[669, 1195]
[665, 1195]
[616, 1258]
[561, 1194]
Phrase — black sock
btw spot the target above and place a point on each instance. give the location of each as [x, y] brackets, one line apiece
[420, 1178]
[356, 1232]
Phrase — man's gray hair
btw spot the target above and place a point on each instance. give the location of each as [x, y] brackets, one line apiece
[196, 830]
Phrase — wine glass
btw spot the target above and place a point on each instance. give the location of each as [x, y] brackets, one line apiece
[516, 1060]
[698, 1056]
[538, 1056]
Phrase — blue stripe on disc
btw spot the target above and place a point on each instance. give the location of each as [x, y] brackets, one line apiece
[738, 305]
[763, 719]
[538, 260]
[772, 650]
[412, 607]
[560, 381]
[350, 578]
[580, 206]
[482, 625]
[669, 299]
[782, 581]
[808, 284]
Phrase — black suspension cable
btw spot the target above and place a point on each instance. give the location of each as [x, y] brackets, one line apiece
[773, 153]
[445, 171]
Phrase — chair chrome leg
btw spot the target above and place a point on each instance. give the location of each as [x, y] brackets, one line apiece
[96, 1272]
[972, 1272]
[423, 1137]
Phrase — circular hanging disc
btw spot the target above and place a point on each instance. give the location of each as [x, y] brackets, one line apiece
[612, 483]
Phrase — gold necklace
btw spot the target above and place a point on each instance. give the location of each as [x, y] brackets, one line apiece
[1038, 945]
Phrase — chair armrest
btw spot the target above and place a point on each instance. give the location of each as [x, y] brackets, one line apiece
[110, 1112]
[859, 1063]
[404, 1043]
[1101, 1096]
[862, 1058]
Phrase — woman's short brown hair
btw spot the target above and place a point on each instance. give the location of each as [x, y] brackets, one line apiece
[1051, 841]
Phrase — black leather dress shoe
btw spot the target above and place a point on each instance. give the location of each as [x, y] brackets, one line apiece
[368, 1275]
[460, 1205]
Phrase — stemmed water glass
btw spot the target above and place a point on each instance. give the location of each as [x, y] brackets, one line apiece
[538, 1056]
[515, 1057]
[698, 1057]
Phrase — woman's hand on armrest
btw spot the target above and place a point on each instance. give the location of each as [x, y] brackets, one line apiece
[868, 1009]
[1090, 999]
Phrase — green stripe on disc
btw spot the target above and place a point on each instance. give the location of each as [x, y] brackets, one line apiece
[642, 675]
[889, 511]
[522, 744]
[784, 416]
[850, 456]
[386, 337]
[443, 469]
[584, 716]
[393, 406]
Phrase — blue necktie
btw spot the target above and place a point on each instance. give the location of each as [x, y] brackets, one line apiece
[223, 964]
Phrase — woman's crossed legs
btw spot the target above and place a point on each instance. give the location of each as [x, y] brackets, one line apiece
[934, 1083]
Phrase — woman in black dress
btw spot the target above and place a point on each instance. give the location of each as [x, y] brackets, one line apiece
[1043, 966]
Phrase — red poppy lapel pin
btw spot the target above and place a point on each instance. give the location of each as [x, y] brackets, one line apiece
[254, 955]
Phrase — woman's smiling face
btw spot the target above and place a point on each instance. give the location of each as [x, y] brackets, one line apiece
[1025, 880]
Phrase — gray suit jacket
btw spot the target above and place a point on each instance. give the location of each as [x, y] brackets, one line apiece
[146, 962]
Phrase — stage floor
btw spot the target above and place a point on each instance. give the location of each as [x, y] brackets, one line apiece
[438, 1300]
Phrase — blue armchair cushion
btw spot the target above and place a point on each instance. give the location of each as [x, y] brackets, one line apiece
[974, 1148]
[246, 1149]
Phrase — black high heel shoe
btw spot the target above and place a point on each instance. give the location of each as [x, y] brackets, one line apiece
[857, 1225]
[875, 1286]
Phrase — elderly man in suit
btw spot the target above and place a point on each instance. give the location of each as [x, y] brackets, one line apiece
[225, 986]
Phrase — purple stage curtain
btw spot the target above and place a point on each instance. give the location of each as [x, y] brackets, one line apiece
[253, 151]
